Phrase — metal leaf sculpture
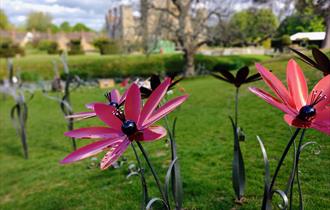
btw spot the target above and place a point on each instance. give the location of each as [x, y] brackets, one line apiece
[174, 168]
[238, 168]
[320, 62]
[19, 112]
[64, 100]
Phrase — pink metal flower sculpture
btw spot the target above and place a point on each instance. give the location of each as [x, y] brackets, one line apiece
[301, 110]
[135, 123]
[114, 98]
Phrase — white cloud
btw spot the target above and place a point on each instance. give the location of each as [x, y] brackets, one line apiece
[21, 18]
[73, 11]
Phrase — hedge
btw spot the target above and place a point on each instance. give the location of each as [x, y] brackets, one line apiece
[96, 66]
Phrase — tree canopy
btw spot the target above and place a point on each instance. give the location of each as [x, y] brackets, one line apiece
[38, 21]
[66, 27]
[4, 22]
[301, 23]
[253, 25]
[80, 27]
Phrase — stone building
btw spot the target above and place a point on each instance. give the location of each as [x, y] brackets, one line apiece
[122, 24]
[62, 39]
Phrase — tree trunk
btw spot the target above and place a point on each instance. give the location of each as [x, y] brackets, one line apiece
[189, 63]
[326, 41]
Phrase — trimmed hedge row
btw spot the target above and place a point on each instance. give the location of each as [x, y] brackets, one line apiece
[95, 66]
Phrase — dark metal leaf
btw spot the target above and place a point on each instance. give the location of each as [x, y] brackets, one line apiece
[253, 78]
[134, 173]
[241, 75]
[285, 200]
[168, 177]
[322, 60]
[220, 77]
[175, 82]
[154, 200]
[266, 202]
[154, 81]
[228, 75]
[316, 152]
[305, 58]
[177, 190]
[145, 92]
[238, 173]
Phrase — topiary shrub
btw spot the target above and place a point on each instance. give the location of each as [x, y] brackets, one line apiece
[107, 46]
[311, 46]
[48, 45]
[75, 47]
[286, 41]
[8, 49]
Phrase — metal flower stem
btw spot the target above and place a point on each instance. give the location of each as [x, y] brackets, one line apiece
[153, 173]
[65, 102]
[238, 169]
[269, 192]
[236, 106]
[21, 111]
[280, 163]
[176, 174]
[294, 172]
[145, 197]
[66, 110]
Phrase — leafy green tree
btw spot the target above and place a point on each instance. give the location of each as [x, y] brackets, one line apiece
[310, 8]
[38, 21]
[319, 8]
[80, 27]
[301, 23]
[252, 26]
[4, 23]
[65, 26]
[54, 28]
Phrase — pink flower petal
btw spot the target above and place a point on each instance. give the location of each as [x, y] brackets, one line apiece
[276, 85]
[91, 105]
[81, 115]
[152, 133]
[106, 114]
[153, 101]
[123, 97]
[296, 84]
[293, 121]
[324, 86]
[93, 133]
[91, 150]
[115, 96]
[133, 103]
[114, 153]
[164, 110]
[273, 101]
[323, 117]
[323, 129]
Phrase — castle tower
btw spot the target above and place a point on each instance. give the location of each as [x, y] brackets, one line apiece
[127, 24]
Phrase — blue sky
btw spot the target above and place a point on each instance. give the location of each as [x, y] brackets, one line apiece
[90, 12]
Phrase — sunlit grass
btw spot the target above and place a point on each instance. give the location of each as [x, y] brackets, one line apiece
[204, 138]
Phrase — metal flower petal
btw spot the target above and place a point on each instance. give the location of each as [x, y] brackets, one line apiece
[124, 125]
[305, 112]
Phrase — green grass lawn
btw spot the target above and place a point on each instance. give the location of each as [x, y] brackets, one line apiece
[205, 144]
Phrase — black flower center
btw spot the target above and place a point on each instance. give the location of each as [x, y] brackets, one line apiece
[129, 127]
[307, 113]
[114, 104]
